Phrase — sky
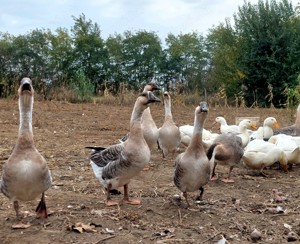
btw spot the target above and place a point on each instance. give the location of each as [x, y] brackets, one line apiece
[19, 17]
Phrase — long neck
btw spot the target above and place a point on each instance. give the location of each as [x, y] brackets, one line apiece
[198, 129]
[168, 113]
[135, 121]
[25, 129]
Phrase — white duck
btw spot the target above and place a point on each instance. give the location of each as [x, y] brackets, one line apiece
[266, 131]
[116, 165]
[226, 150]
[186, 133]
[26, 174]
[169, 135]
[244, 125]
[260, 154]
[225, 128]
[289, 146]
[192, 168]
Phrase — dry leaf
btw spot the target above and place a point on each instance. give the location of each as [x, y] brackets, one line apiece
[81, 227]
[21, 226]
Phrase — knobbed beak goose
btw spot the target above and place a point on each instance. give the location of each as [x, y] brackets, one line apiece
[293, 130]
[26, 174]
[116, 165]
[149, 128]
[226, 150]
[169, 135]
[192, 168]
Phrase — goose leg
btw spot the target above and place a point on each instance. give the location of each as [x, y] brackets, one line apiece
[185, 196]
[109, 202]
[16, 207]
[199, 198]
[41, 209]
[228, 180]
[126, 197]
[214, 176]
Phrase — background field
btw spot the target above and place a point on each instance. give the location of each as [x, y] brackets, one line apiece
[62, 131]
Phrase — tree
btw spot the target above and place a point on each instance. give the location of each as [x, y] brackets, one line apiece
[268, 38]
[186, 60]
[89, 52]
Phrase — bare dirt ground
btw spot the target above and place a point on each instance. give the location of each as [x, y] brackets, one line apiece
[229, 210]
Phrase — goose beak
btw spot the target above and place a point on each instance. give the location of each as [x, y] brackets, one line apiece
[26, 87]
[276, 125]
[152, 98]
[203, 107]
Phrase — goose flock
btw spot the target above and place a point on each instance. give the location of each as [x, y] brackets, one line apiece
[27, 176]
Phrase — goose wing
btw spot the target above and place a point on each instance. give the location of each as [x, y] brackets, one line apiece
[103, 156]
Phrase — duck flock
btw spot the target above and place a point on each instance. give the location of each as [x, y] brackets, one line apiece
[26, 175]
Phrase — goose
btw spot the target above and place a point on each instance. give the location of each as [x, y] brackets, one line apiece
[169, 135]
[293, 130]
[266, 130]
[25, 173]
[149, 128]
[226, 150]
[289, 146]
[225, 128]
[116, 165]
[260, 154]
[244, 125]
[192, 168]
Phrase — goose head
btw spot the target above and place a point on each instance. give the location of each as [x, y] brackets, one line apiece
[26, 93]
[202, 108]
[151, 86]
[147, 97]
[271, 122]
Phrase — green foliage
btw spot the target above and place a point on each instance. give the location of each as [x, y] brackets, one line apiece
[82, 87]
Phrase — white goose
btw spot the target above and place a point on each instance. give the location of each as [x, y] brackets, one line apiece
[226, 150]
[260, 154]
[266, 131]
[225, 128]
[169, 135]
[192, 170]
[26, 174]
[116, 165]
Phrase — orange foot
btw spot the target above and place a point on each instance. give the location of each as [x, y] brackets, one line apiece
[215, 177]
[111, 203]
[132, 202]
[228, 180]
[146, 168]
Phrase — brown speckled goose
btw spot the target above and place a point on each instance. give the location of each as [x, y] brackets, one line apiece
[26, 174]
[293, 130]
[192, 170]
[226, 150]
[116, 165]
[150, 130]
[169, 134]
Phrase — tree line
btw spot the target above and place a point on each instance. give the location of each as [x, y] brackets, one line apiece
[254, 61]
